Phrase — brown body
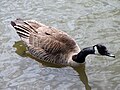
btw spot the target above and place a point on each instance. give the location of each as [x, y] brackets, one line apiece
[47, 43]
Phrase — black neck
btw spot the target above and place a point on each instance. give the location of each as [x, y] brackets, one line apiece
[80, 57]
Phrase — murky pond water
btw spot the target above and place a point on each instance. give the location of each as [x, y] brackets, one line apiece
[88, 21]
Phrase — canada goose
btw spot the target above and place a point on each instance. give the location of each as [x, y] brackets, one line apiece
[52, 45]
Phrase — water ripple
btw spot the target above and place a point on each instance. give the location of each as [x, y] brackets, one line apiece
[88, 21]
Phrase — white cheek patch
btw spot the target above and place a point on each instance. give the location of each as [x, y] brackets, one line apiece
[96, 51]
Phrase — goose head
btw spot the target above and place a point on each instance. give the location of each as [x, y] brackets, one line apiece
[97, 49]
[102, 50]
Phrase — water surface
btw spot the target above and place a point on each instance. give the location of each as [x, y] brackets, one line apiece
[88, 21]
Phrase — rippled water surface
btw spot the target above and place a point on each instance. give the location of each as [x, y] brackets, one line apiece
[88, 21]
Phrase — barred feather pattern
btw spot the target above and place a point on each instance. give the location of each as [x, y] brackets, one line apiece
[44, 42]
[48, 50]
[51, 44]
[47, 57]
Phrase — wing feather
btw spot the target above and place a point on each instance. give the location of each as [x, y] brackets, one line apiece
[48, 44]
[44, 42]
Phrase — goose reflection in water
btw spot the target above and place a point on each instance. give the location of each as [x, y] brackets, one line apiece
[21, 50]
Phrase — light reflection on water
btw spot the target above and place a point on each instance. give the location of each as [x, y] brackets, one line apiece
[88, 21]
[21, 50]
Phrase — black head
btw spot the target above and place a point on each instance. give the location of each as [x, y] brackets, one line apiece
[102, 50]
[98, 49]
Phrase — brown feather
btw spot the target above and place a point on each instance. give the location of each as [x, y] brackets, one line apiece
[47, 43]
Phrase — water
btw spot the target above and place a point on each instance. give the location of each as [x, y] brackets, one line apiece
[88, 21]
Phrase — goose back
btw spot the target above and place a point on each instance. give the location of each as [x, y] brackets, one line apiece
[47, 43]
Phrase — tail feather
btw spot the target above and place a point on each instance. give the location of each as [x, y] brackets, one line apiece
[23, 28]
[22, 35]
[32, 28]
